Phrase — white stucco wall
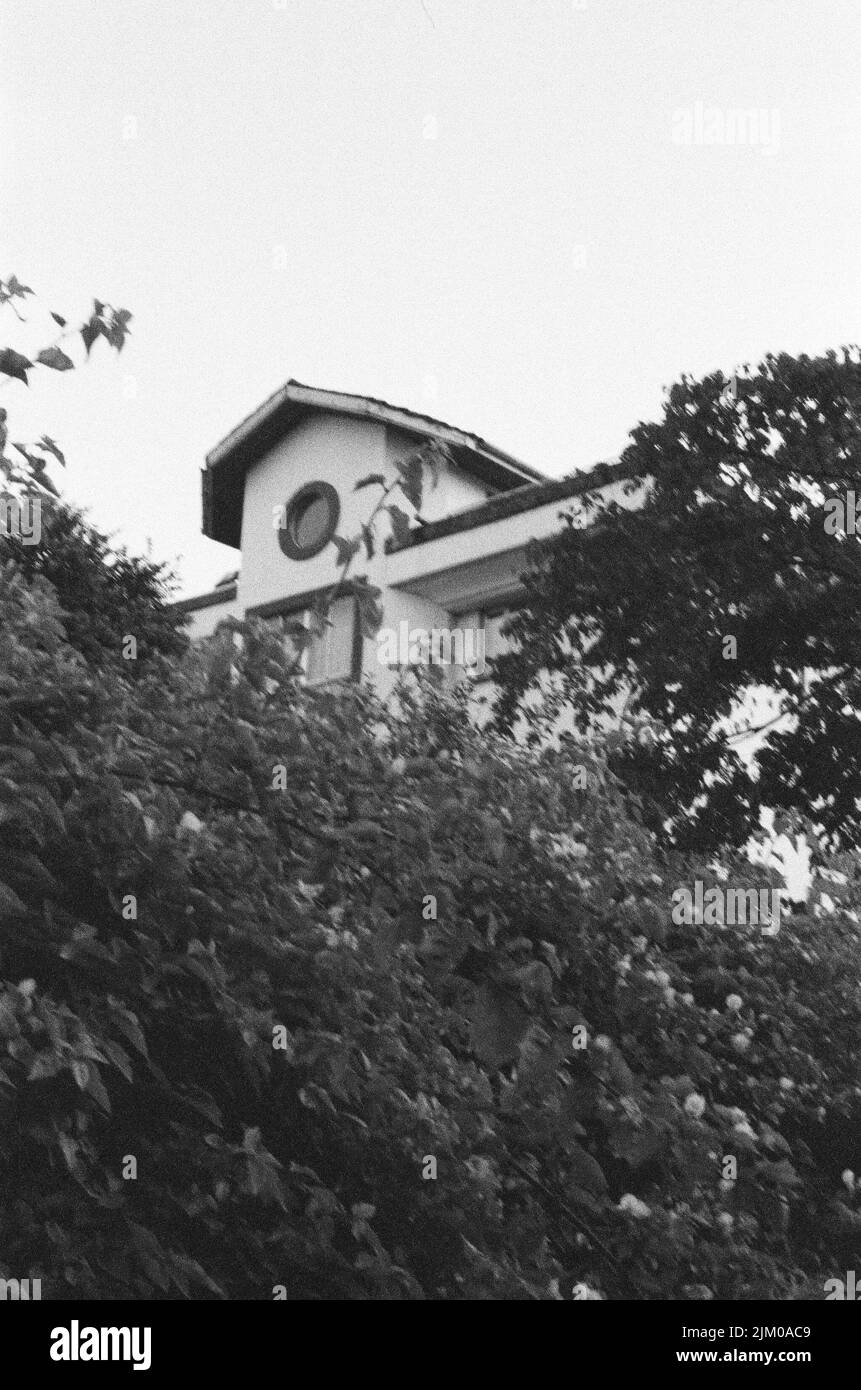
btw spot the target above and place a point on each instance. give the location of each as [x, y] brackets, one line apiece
[337, 450]
[456, 490]
[398, 607]
[204, 622]
[324, 448]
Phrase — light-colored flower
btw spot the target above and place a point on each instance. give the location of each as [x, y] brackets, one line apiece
[634, 1207]
[847, 1177]
[695, 1105]
[741, 1042]
[786, 1084]
[733, 1003]
[726, 1222]
[688, 999]
[585, 1294]
[603, 1043]
[744, 1128]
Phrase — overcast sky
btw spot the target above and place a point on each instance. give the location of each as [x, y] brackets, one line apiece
[480, 208]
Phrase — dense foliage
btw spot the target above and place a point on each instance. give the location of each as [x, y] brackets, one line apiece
[105, 592]
[740, 574]
[282, 947]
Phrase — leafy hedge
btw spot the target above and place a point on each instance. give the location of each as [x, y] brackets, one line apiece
[104, 592]
[244, 989]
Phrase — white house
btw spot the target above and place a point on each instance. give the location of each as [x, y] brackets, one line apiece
[282, 484]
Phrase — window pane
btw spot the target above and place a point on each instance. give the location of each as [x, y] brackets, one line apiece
[311, 522]
[330, 657]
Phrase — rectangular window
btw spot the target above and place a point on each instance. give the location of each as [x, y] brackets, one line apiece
[332, 656]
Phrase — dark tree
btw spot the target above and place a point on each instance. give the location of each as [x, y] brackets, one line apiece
[741, 571]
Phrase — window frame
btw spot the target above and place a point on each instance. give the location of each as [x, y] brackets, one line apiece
[307, 494]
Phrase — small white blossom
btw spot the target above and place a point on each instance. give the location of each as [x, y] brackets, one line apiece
[603, 1043]
[191, 822]
[726, 1222]
[633, 1206]
[688, 999]
[741, 1042]
[733, 1003]
[695, 1105]
[585, 1294]
[744, 1128]
[847, 1177]
[786, 1084]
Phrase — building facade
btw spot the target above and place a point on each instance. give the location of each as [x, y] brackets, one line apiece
[281, 485]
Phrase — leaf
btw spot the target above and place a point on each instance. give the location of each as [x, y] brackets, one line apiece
[128, 1026]
[346, 549]
[119, 1057]
[14, 364]
[10, 904]
[15, 288]
[370, 480]
[370, 614]
[95, 1088]
[58, 318]
[586, 1171]
[117, 330]
[368, 538]
[411, 480]
[48, 444]
[498, 1026]
[35, 462]
[90, 332]
[69, 1149]
[44, 1067]
[81, 1073]
[53, 357]
[400, 524]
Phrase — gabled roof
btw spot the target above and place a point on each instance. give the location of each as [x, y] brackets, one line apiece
[223, 478]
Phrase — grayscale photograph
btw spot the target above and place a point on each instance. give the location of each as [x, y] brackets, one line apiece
[430, 671]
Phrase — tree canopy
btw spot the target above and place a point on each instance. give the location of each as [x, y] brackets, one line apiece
[739, 576]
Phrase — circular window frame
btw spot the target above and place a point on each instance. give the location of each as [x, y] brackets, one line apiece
[311, 492]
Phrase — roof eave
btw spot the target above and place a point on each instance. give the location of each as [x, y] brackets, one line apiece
[227, 462]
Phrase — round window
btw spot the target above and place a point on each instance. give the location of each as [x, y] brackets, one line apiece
[309, 521]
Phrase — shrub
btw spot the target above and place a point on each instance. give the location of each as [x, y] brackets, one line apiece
[281, 947]
[105, 592]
